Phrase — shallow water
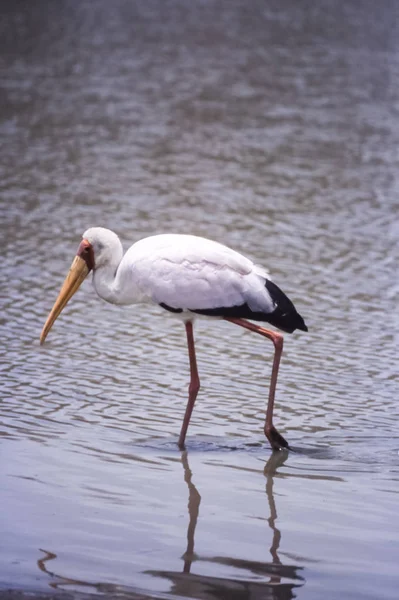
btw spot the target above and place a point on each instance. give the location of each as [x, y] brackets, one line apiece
[272, 128]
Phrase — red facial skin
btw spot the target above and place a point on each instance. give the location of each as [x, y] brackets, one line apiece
[85, 251]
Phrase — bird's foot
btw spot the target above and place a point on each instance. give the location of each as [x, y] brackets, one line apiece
[275, 438]
[181, 445]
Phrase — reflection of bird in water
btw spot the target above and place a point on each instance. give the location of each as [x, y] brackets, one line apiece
[204, 587]
[194, 500]
[60, 580]
[111, 590]
[275, 461]
[41, 563]
[187, 276]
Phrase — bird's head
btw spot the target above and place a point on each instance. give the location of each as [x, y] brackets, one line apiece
[98, 247]
[106, 246]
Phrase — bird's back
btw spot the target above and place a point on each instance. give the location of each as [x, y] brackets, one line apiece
[188, 249]
[189, 273]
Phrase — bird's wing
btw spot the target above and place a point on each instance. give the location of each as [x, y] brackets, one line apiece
[194, 274]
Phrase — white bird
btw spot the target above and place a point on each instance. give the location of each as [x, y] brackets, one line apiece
[188, 276]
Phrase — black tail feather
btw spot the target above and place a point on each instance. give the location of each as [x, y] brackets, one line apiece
[284, 316]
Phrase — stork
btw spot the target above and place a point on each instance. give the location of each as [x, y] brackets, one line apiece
[188, 276]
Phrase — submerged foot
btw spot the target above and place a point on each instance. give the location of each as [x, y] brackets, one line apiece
[276, 440]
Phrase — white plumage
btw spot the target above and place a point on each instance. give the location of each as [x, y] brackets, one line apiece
[187, 272]
[189, 276]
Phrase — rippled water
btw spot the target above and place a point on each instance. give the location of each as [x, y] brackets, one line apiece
[273, 128]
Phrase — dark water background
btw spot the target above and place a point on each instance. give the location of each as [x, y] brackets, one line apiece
[272, 127]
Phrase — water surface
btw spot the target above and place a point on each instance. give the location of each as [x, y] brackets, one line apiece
[272, 128]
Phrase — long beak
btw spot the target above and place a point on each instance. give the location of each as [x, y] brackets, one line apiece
[77, 274]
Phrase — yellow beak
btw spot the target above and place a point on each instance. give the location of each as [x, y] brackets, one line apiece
[77, 274]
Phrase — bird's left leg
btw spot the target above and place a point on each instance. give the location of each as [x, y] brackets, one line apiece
[276, 440]
[194, 383]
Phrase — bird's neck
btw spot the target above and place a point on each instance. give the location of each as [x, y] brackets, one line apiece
[116, 285]
[114, 281]
[104, 281]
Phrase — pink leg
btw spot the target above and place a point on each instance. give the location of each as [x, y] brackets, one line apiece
[276, 440]
[194, 383]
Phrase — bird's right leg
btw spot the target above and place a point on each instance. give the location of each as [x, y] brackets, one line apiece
[194, 383]
[276, 440]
